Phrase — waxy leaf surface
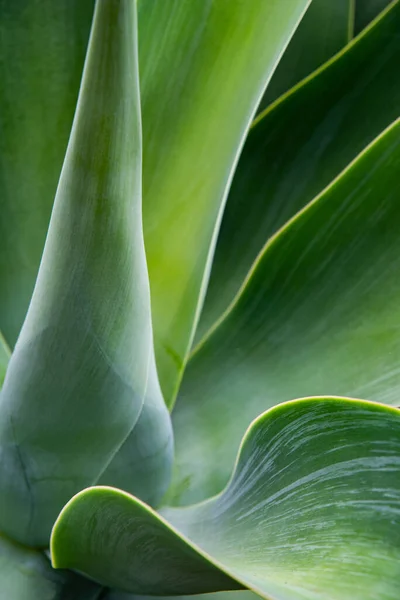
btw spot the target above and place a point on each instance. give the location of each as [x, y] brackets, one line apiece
[28, 575]
[310, 512]
[195, 57]
[42, 50]
[319, 313]
[76, 380]
[298, 146]
[143, 464]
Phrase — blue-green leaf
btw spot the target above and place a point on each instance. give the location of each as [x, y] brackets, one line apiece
[318, 314]
[311, 511]
[143, 464]
[27, 574]
[42, 50]
[76, 380]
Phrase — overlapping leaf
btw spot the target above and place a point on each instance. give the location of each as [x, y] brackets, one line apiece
[5, 354]
[191, 139]
[294, 523]
[195, 57]
[366, 10]
[27, 575]
[42, 50]
[143, 464]
[236, 595]
[310, 512]
[299, 146]
[75, 383]
[319, 312]
[323, 31]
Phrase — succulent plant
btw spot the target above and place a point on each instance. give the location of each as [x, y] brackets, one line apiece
[201, 271]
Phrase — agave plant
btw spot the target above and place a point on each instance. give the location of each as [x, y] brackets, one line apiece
[200, 271]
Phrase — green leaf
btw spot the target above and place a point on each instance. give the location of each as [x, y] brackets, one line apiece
[5, 354]
[319, 314]
[236, 595]
[366, 11]
[298, 146]
[142, 553]
[180, 42]
[310, 512]
[323, 31]
[143, 465]
[76, 380]
[27, 575]
[194, 58]
[42, 49]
